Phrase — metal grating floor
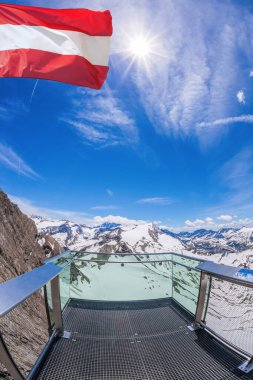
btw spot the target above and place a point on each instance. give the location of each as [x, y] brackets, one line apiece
[136, 341]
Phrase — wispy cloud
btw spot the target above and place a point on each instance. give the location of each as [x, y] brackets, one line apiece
[227, 120]
[185, 85]
[110, 193]
[9, 108]
[30, 208]
[105, 207]
[102, 118]
[156, 201]
[251, 74]
[241, 97]
[235, 175]
[195, 72]
[11, 160]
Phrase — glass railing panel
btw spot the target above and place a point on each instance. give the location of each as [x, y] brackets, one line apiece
[185, 286]
[64, 279]
[230, 313]
[64, 283]
[187, 261]
[120, 278]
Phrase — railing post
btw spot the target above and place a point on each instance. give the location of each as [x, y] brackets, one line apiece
[201, 299]
[56, 303]
[246, 366]
[47, 310]
[8, 362]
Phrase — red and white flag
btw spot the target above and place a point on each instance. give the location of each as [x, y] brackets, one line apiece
[65, 45]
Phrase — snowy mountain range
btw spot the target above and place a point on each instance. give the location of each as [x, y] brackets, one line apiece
[232, 246]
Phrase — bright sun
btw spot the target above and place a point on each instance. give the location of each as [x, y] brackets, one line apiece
[142, 49]
[139, 47]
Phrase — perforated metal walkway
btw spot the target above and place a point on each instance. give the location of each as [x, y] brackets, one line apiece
[136, 341]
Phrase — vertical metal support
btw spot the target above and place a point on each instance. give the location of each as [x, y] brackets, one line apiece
[172, 276]
[47, 310]
[201, 299]
[56, 302]
[8, 362]
[207, 297]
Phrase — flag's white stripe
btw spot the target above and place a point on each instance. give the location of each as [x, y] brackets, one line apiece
[94, 48]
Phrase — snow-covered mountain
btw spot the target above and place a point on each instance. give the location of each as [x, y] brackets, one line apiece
[225, 240]
[109, 237]
[232, 246]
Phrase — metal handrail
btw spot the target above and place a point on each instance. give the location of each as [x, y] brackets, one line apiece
[139, 262]
[63, 255]
[141, 254]
[225, 272]
[18, 289]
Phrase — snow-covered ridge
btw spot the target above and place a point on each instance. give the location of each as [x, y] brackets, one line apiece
[229, 245]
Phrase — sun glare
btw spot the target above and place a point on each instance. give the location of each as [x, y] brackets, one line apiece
[140, 47]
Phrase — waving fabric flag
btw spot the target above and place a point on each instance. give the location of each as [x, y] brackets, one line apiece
[65, 45]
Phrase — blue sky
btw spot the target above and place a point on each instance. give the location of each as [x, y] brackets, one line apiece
[167, 139]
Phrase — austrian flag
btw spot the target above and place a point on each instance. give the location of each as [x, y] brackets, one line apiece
[65, 45]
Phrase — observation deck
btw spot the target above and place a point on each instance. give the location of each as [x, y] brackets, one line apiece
[93, 316]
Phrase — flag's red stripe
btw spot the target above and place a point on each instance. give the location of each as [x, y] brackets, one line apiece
[73, 69]
[93, 23]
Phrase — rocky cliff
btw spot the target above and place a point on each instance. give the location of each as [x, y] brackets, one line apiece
[22, 249]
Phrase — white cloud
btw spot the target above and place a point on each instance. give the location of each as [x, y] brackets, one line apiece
[226, 221]
[110, 193]
[11, 160]
[245, 222]
[102, 118]
[105, 207]
[117, 219]
[225, 218]
[207, 222]
[241, 97]
[227, 120]
[251, 73]
[156, 201]
[195, 223]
